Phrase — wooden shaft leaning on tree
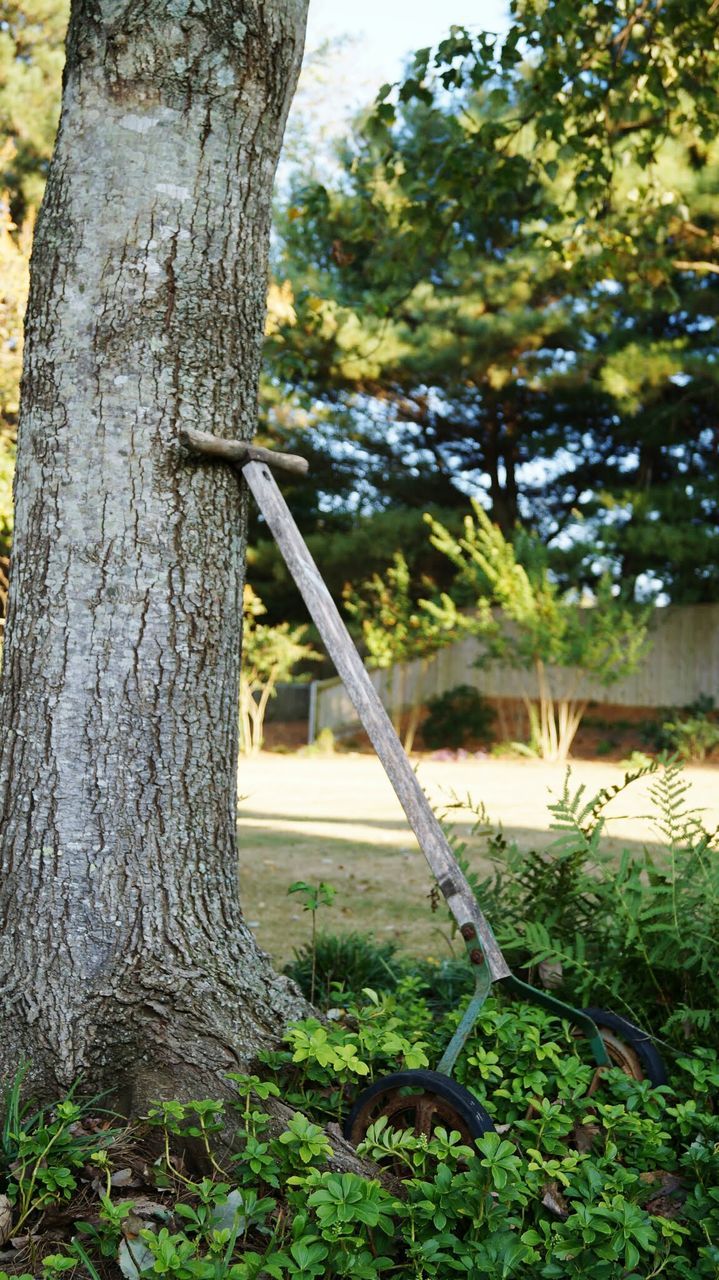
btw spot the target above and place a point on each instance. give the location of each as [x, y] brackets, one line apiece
[252, 462]
[432, 840]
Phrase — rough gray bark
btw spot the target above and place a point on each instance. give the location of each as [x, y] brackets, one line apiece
[123, 954]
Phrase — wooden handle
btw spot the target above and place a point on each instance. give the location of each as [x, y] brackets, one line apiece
[240, 452]
[323, 610]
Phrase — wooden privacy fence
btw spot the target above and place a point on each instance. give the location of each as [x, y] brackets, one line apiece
[682, 664]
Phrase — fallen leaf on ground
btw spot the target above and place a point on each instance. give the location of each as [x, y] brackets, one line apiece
[134, 1258]
[124, 1178]
[554, 1201]
[551, 974]
[584, 1136]
[669, 1193]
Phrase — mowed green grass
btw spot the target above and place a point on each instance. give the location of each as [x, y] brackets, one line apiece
[337, 819]
[379, 889]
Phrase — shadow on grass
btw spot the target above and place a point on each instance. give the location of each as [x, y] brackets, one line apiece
[278, 828]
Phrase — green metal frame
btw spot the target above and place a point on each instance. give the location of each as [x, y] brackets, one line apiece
[576, 1017]
[482, 988]
[533, 995]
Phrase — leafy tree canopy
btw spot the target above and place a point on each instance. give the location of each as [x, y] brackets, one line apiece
[14, 269]
[505, 287]
[395, 630]
[508, 289]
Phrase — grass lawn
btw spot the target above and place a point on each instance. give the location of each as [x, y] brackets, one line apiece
[336, 818]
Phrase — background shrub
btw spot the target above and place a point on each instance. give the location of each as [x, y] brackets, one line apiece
[456, 717]
[345, 963]
[693, 732]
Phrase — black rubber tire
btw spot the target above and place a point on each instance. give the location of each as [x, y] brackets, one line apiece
[640, 1041]
[454, 1095]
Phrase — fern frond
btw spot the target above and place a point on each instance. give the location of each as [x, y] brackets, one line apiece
[676, 821]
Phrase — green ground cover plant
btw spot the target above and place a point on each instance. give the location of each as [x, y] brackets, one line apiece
[583, 1173]
[623, 1182]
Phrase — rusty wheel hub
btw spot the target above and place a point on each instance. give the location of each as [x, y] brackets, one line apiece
[421, 1111]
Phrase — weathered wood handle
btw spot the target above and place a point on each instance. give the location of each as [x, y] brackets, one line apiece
[323, 610]
[240, 452]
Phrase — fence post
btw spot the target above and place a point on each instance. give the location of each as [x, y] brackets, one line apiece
[312, 716]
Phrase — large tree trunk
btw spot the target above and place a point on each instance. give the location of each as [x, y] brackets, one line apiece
[123, 954]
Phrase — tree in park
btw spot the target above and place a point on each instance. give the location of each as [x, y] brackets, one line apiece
[123, 953]
[269, 655]
[395, 632]
[544, 332]
[527, 621]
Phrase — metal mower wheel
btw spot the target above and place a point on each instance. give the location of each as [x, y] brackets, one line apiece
[628, 1047]
[421, 1101]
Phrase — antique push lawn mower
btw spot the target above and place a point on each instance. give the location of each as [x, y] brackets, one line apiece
[418, 1099]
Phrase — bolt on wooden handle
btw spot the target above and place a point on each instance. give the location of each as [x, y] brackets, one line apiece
[240, 452]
